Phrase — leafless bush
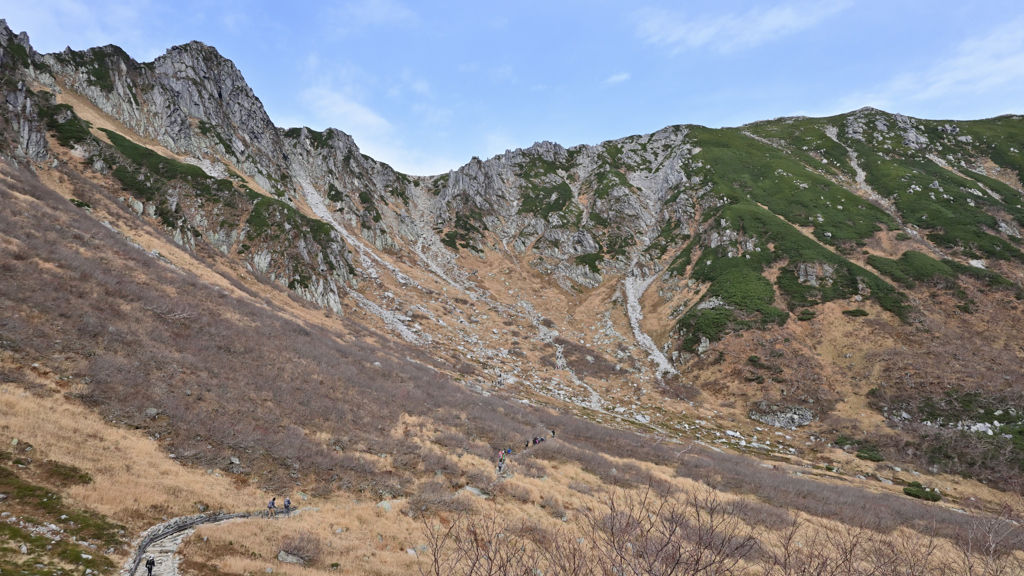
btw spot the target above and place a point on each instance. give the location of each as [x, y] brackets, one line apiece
[581, 487]
[643, 534]
[467, 369]
[479, 477]
[638, 535]
[987, 546]
[473, 546]
[553, 505]
[699, 533]
[531, 468]
[513, 491]
[437, 462]
[303, 545]
[432, 497]
[799, 549]
[452, 440]
[586, 361]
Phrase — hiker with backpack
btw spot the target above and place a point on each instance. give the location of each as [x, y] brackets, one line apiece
[150, 564]
[287, 506]
[272, 507]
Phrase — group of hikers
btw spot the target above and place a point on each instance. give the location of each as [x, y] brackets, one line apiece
[272, 507]
[507, 452]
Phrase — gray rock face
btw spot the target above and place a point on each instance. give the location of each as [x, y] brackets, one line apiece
[283, 556]
[911, 137]
[191, 100]
[565, 204]
[583, 213]
[782, 417]
[30, 138]
[815, 273]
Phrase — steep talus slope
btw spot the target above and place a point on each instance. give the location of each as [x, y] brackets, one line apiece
[688, 283]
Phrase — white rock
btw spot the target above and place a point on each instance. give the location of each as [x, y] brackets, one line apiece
[283, 556]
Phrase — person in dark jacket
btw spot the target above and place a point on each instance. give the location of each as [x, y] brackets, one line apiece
[287, 506]
[150, 564]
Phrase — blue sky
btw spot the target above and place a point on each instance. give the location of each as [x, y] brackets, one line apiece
[427, 85]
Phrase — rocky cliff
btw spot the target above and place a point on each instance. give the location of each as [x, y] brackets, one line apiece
[616, 278]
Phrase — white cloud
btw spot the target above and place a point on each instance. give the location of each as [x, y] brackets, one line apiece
[412, 162]
[374, 134]
[433, 115]
[498, 143]
[421, 87]
[502, 74]
[54, 24]
[733, 31]
[617, 78]
[987, 65]
[376, 13]
[337, 109]
[994, 61]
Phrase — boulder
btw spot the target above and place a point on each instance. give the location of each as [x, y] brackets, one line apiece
[283, 556]
[473, 492]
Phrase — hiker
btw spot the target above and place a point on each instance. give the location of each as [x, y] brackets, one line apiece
[150, 564]
[287, 506]
[272, 507]
[552, 432]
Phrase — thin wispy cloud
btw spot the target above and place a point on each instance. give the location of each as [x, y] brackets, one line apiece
[732, 32]
[377, 12]
[502, 74]
[54, 24]
[351, 18]
[993, 61]
[375, 135]
[617, 78]
[984, 66]
[338, 109]
[433, 115]
[498, 143]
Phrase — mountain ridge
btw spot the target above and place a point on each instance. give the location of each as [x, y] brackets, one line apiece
[756, 228]
[805, 329]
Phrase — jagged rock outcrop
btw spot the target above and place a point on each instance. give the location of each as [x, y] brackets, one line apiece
[718, 207]
[21, 112]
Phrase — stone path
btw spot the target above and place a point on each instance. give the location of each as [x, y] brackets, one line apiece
[165, 554]
[163, 541]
